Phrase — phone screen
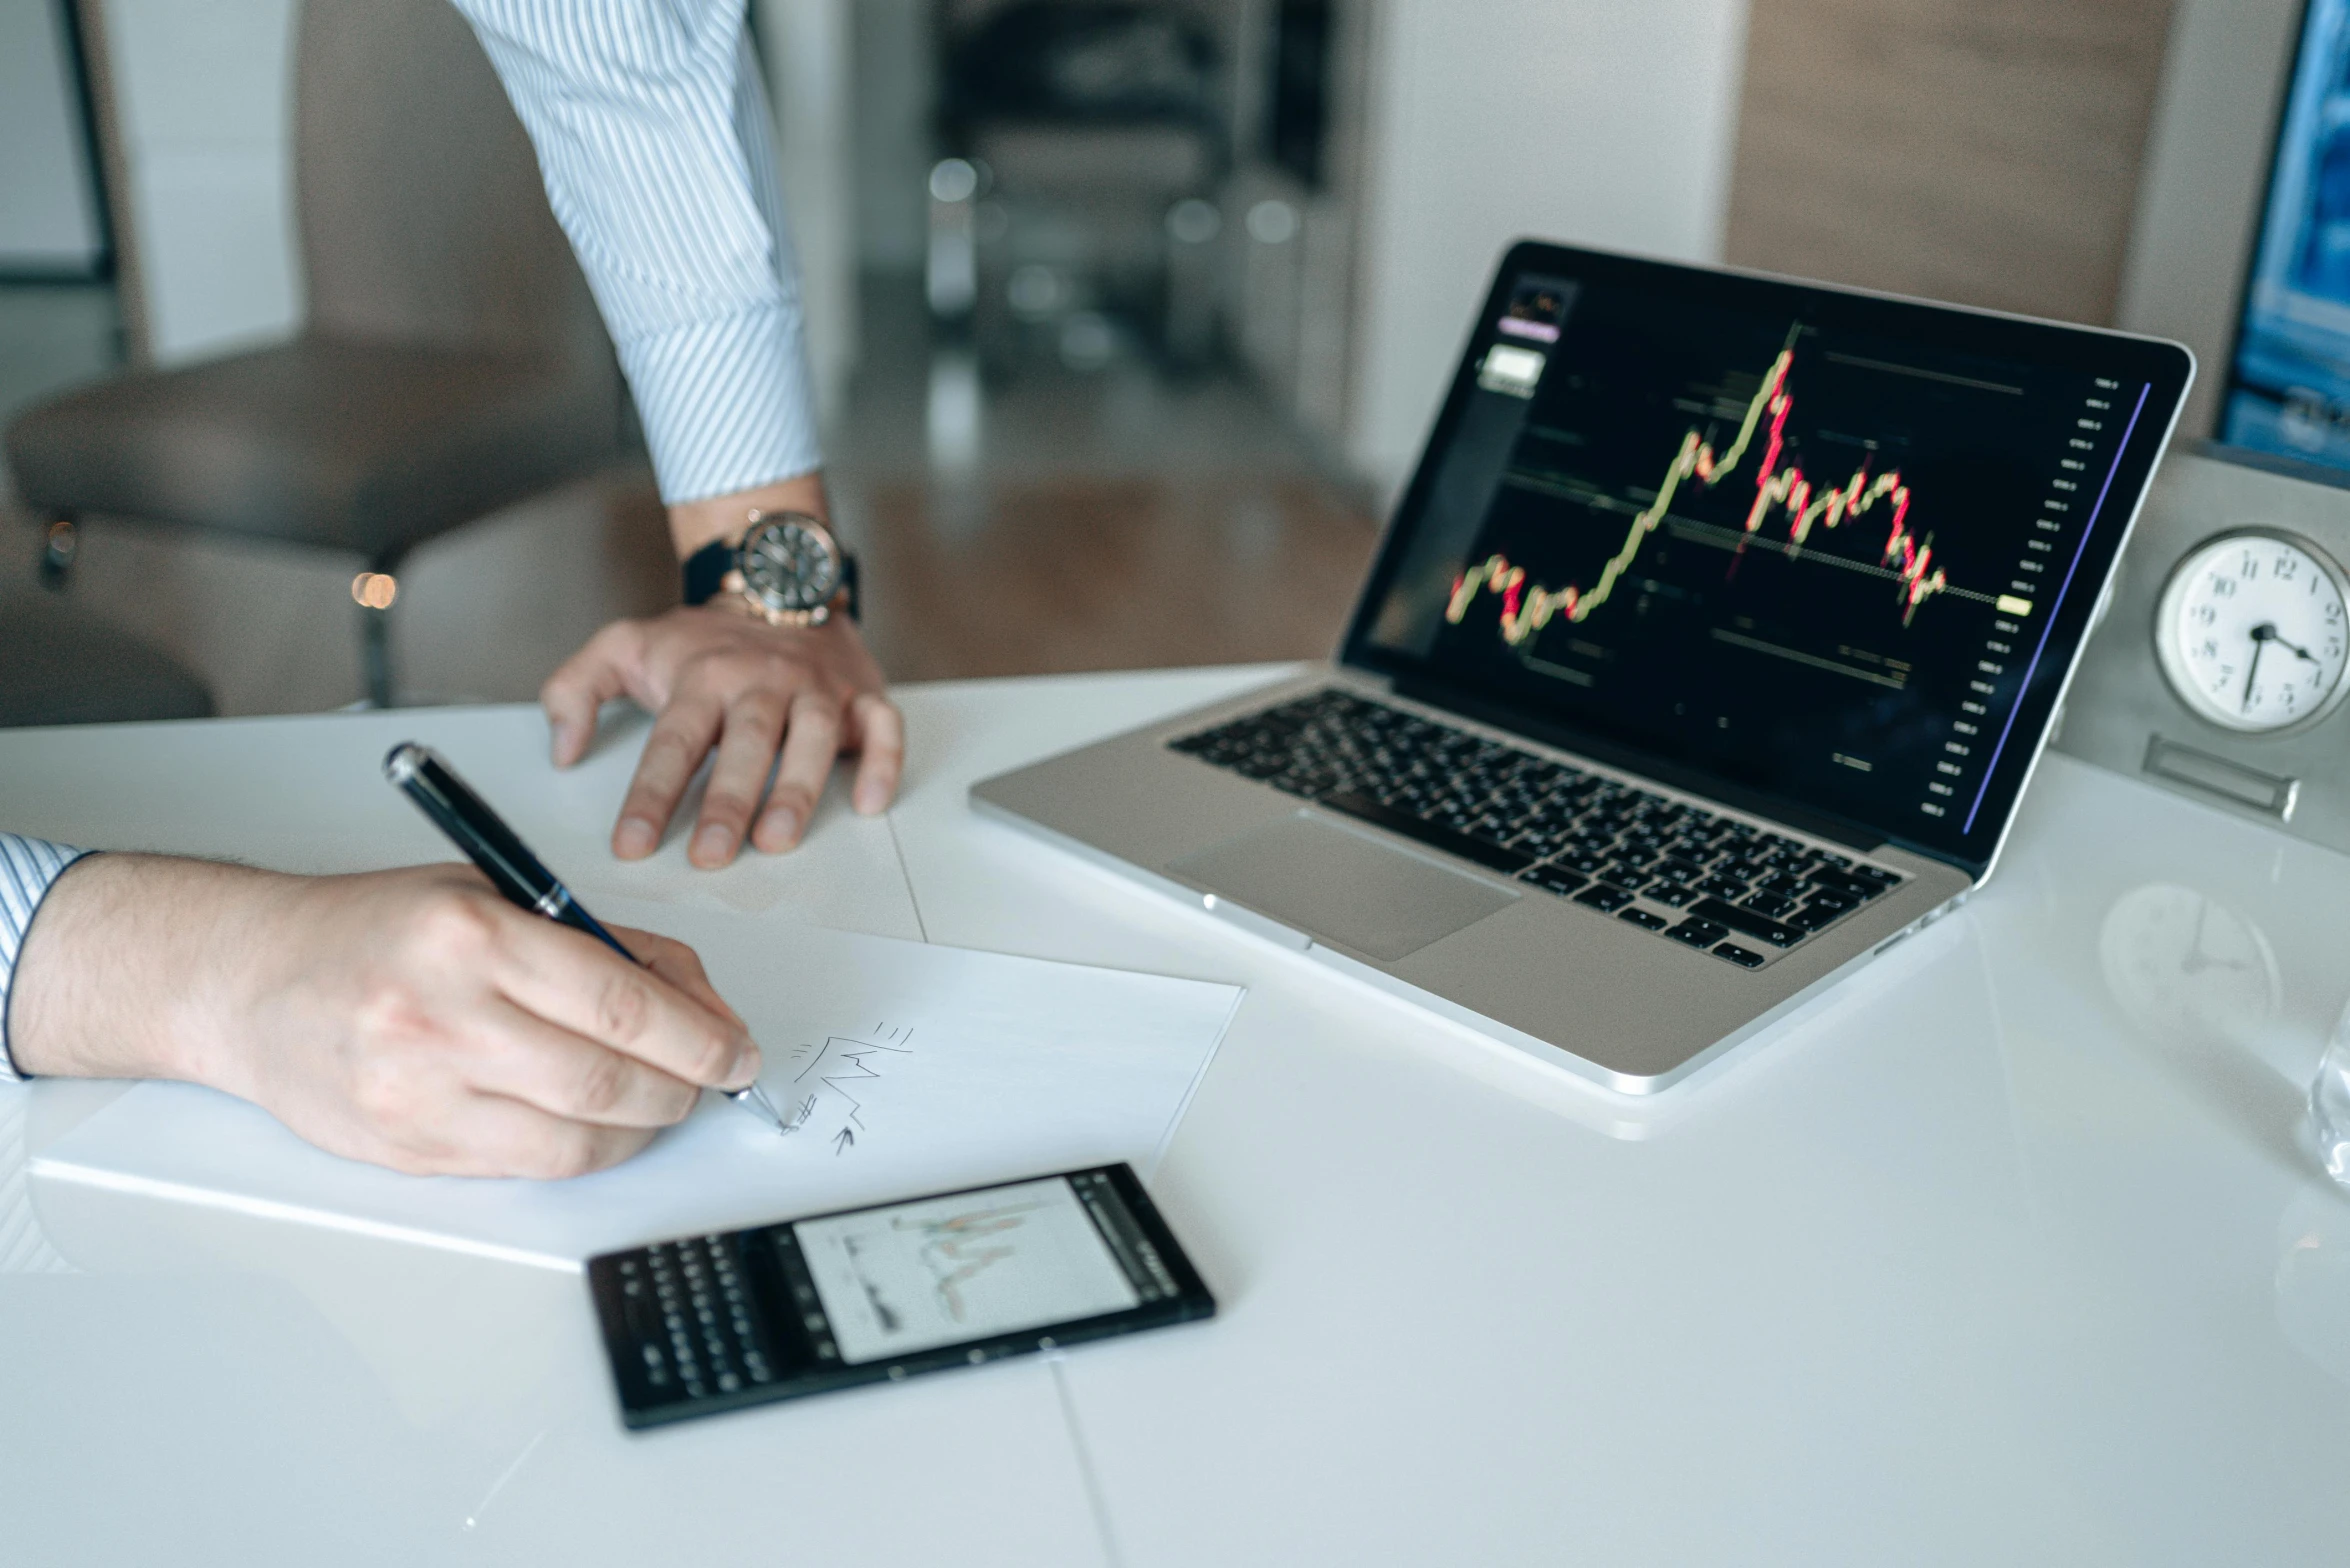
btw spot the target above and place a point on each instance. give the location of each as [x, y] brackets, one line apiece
[717, 1322]
[975, 1265]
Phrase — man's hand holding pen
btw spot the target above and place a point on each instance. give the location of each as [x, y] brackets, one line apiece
[409, 1018]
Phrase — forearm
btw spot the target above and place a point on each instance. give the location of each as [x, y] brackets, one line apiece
[125, 970]
[656, 145]
[693, 524]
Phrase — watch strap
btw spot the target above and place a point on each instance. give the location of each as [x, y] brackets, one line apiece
[706, 569]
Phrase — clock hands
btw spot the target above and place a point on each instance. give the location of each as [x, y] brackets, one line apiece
[2299, 652]
[2262, 635]
[2267, 631]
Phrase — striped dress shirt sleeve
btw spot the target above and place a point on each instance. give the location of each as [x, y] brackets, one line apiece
[658, 153]
[27, 868]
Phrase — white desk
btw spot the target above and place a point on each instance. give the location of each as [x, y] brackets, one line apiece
[2007, 1255]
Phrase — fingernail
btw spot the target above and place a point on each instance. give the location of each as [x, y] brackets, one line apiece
[871, 799]
[636, 837]
[746, 1064]
[713, 843]
[786, 826]
[560, 743]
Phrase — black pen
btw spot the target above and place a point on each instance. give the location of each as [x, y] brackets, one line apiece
[425, 778]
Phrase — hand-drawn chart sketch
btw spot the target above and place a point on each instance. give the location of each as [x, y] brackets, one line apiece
[835, 1081]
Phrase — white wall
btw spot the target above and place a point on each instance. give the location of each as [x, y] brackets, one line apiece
[1604, 122]
[203, 98]
[806, 46]
[894, 145]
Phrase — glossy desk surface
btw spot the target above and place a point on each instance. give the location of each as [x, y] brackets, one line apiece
[2010, 1253]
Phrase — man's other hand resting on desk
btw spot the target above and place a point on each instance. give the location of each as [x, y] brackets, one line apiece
[408, 1018]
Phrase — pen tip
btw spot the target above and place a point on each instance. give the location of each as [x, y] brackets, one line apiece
[755, 1097]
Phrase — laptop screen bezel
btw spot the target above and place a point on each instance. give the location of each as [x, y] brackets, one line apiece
[2167, 368]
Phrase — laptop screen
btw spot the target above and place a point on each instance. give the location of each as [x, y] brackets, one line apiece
[1824, 553]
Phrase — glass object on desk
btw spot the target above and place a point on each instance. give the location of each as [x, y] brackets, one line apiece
[2329, 1103]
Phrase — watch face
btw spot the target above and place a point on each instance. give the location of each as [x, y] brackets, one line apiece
[791, 565]
[2251, 631]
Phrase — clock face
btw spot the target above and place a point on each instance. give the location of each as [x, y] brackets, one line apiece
[2251, 631]
[792, 566]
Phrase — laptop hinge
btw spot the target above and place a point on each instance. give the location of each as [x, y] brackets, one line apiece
[1855, 836]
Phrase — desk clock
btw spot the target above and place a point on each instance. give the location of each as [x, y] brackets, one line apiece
[2222, 665]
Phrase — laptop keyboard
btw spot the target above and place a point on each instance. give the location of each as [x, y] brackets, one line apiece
[1689, 875]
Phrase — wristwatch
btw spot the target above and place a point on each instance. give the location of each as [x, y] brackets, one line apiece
[785, 567]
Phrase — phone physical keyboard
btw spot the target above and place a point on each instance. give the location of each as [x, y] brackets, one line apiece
[692, 1316]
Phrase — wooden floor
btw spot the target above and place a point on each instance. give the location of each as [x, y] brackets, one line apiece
[1064, 520]
[1111, 573]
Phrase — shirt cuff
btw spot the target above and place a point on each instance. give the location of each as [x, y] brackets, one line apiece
[28, 869]
[727, 404]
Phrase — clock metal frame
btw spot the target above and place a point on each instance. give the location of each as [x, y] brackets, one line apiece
[2123, 712]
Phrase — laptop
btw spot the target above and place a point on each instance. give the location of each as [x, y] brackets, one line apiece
[1705, 657]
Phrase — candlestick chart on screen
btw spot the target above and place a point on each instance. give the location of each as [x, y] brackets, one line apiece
[1791, 543]
[1747, 488]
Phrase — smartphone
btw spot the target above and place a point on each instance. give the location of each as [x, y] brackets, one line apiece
[879, 1294]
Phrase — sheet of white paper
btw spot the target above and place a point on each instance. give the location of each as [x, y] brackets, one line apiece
[906, 1068]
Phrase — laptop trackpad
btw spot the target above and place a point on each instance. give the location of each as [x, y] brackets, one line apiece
[1334, 882]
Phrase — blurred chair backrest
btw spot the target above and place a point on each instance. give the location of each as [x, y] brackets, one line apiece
[423, 219]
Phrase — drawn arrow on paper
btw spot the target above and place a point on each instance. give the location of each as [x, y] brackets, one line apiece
[842, 1141]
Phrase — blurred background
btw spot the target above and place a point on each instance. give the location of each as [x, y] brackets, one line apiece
[1127, 317]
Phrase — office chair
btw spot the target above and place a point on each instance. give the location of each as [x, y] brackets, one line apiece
[452, 362]
[58, 666]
